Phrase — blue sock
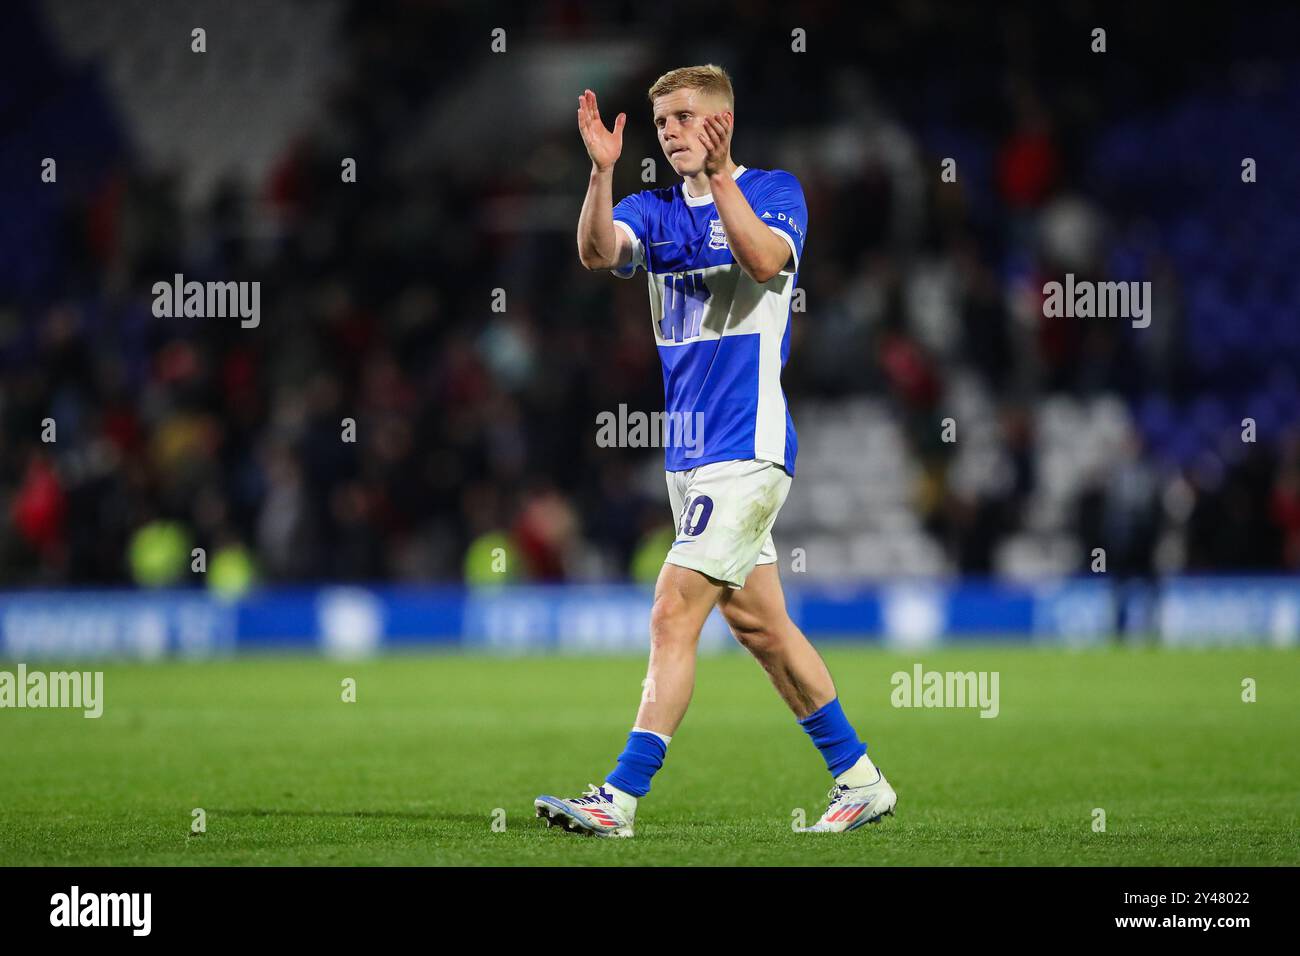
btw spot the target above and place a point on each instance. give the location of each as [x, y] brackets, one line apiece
[834, 736]
[640, 759]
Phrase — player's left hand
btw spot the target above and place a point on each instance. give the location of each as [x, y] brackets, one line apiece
[716, 137]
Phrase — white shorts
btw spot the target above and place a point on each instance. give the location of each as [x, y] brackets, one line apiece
[724, 513]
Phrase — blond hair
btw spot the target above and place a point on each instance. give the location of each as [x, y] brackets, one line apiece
[709, 79]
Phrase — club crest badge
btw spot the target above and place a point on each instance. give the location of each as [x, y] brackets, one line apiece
[717, 235]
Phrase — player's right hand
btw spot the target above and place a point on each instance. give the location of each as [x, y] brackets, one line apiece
[603, 146]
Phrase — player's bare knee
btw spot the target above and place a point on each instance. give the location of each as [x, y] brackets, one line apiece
[669, 621]
[758, 642]
[751, 632]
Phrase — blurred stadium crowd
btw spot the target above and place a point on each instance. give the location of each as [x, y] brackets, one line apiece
[475, 428]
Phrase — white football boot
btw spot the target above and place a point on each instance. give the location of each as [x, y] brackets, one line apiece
[595, 813]
[851, 807]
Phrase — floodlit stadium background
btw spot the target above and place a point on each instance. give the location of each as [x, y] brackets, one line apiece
[476, 428]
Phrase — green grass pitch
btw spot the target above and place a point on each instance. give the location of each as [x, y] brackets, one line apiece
[435, 746]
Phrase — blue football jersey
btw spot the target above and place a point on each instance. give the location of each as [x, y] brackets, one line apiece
[723, 338]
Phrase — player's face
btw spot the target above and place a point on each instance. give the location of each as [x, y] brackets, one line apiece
[679, 118]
